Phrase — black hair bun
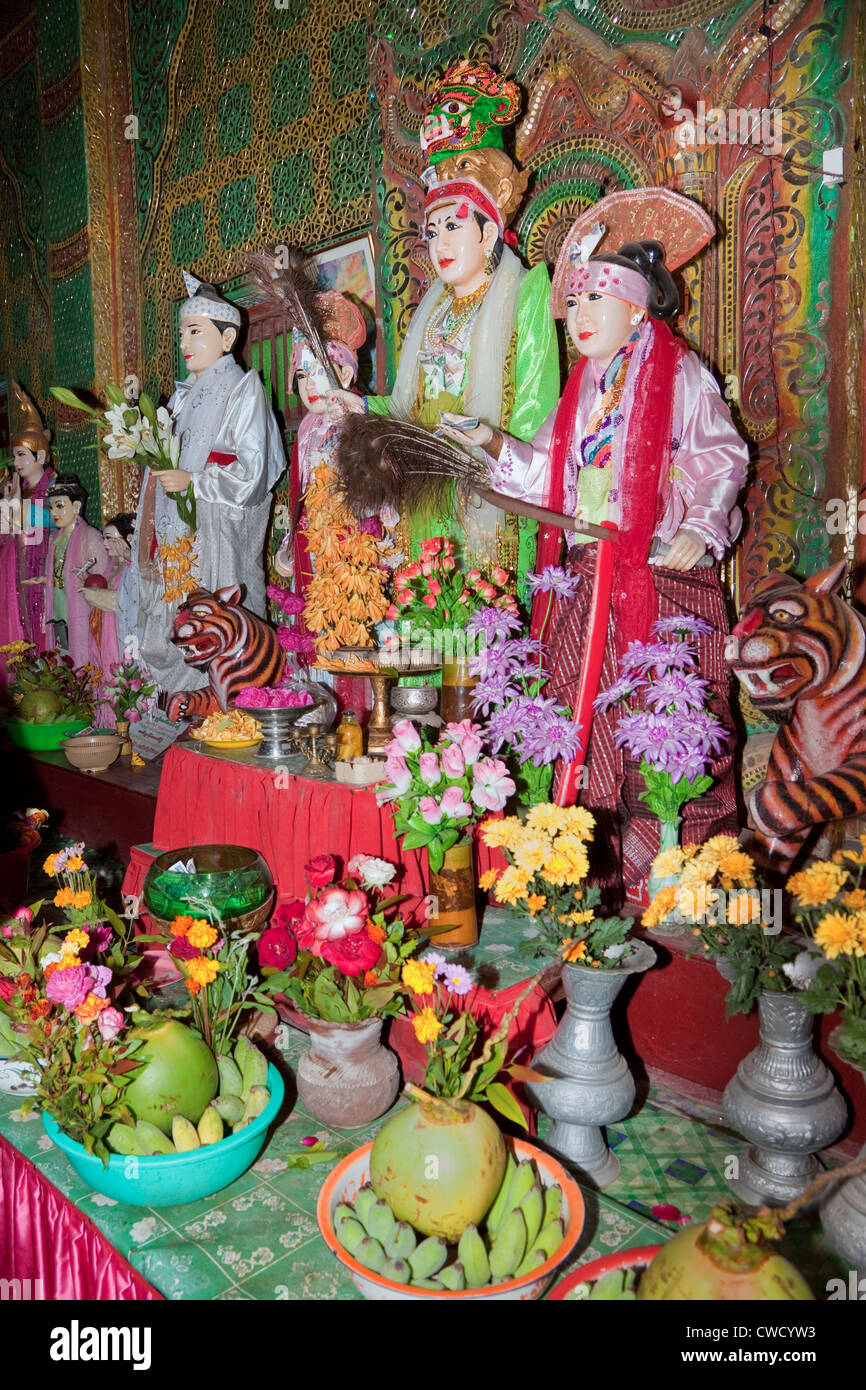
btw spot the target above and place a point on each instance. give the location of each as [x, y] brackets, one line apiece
[648, 258]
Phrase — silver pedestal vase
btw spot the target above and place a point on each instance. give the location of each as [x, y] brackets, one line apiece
[784, 1101]
[590, 1084]
[843, 1211]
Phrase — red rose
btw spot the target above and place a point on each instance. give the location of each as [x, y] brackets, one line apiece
[181, 949]
[7, 988]
[277, 947]
[352, 955]
[320, 871]
[287, 914]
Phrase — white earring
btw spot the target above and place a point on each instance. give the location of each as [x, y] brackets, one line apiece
[636, 318]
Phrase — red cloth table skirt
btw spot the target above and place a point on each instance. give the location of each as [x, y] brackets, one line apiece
[47, 1240]
[204, 800]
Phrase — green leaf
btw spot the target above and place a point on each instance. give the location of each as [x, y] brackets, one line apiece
[328, 999]
[502, 1100]
[415, 840]
[436, 854]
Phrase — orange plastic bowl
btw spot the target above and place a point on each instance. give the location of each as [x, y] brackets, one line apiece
[342, 1186]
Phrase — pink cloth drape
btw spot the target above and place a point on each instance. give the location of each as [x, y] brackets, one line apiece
[44, 1238]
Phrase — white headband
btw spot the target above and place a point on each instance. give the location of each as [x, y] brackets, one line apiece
[207, 308]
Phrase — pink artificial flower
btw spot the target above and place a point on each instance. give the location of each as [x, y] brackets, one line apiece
[110, 1022]
[433, 545]
[135, 685]
[492, 785]
[453, 803]
[397, 772]
[133, 715]
[487, 591]
[9, 929]
[453, 762]
[101, 978]
[433, 586]
[7, 988]
[429, 770]
[499, 576]
[337, 913]
[403, 596]
[406, 735]
[69, 987]
[449, 563]
[429, 600]
[459, 733]
[391, 612]
[430, 810]
[473, 576]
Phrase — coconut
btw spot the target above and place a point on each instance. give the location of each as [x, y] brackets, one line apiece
[439, 1165]
[179, 1077]
[723, 1259]
[39, 707]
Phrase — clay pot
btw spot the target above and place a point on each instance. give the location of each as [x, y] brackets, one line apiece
[348, 1078]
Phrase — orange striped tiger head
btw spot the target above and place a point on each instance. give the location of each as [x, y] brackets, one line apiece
[796, 640]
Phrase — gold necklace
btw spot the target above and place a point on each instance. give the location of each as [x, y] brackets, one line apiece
[59, 557]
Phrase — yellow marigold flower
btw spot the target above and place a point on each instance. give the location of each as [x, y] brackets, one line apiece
[77, 939]
[574, 952]
[721, 844]
[531, 851]
[854, 899]
[82, 899]
[576, 820]
[545, 817]
[91, 1008]
[487, 880]
[202, 935]
[499, 834]
[693, 900]
[744, 908]
[661, 905]
[180, 926]
[63, 897]
[203, 970]
[668, 861]
[689, 851]
[512, 886]
[838, 934]
[818, 883]
[535, 902]
[737, 865]
[75, 863]
[68, 960]
[580, 918]
[558, 870]
[418, 976]
[49, 867]
[427, 1026]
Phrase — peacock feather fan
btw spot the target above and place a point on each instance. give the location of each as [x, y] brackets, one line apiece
[287, 279]
[385, 461]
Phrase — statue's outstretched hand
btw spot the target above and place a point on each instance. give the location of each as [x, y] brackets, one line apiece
[465, 429]
[686, 550]
[339, 403]
[175, 479]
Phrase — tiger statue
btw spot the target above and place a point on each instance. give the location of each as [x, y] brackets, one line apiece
[799, 651]
[236, 647]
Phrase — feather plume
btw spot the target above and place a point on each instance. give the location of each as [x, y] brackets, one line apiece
[287, 279]
[383, 460]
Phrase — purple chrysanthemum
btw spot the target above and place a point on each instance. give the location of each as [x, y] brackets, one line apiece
[684, 623]
[553, 580]
[681, 689]
[621, 689]
[493, 623]
[658, 657]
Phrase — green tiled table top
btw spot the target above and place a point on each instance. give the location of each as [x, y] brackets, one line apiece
[259, 1239]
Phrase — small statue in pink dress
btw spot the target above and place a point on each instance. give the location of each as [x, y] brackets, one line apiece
[74, 551]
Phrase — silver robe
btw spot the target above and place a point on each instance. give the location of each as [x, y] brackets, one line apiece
[223, 412]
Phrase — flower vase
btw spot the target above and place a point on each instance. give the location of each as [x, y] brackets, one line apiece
[784, 1101]
[452, 891]
[669, 838]
[455, 701]
[843, 1209]
[122, 727]
[590, 1084]
[348, 1078]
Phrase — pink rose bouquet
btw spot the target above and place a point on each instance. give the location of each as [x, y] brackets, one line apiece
[440, 789]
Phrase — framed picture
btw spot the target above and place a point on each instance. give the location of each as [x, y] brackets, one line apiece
[350, 268]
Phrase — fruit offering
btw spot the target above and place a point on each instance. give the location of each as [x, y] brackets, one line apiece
[234, 727]
[243, 1096]
[524, 1227]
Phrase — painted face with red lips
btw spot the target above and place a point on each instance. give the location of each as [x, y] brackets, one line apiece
[599, 325]
[312, 384]
[202, 343]
[458, 247]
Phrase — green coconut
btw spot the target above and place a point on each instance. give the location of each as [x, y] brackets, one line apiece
[179, 1077]
[439, 1165]
[723, 1259]
[39, 707]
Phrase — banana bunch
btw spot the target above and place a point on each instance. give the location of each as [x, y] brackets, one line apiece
[617, 1285]
[243, 1096]
[523, 1229]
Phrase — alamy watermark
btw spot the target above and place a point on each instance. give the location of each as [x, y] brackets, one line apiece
[732, 125]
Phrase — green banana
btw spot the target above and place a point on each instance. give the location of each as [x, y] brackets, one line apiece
[398, 1270]
[452, 1277]
[123, 1140]
[472, 1254]
[428, 1258]
[552, 1203]
[381, 1222]
[508, 1248]
[402, 1242]
[371, 1255]
[549, 1238]
[242, 1048]
[350, 1234]
[230, 1077]
[609, 1286]
[497, 1211]
[343, 1212]
[254, 1069]
[229, 1107]
[257, 1101]
[426, 1284]
[532, 1261]
[521, 1183]
[365, 1199]
[184, 1134]
[152, 1140]
[210, 1127]
[532, 1207]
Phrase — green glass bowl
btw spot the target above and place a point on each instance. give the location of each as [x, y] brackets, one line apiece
[41, 738]
[230, 882]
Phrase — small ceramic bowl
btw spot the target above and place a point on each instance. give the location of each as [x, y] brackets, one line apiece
[343, 1183]
[93, 750]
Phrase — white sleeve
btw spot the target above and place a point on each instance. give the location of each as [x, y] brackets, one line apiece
[249, 441]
